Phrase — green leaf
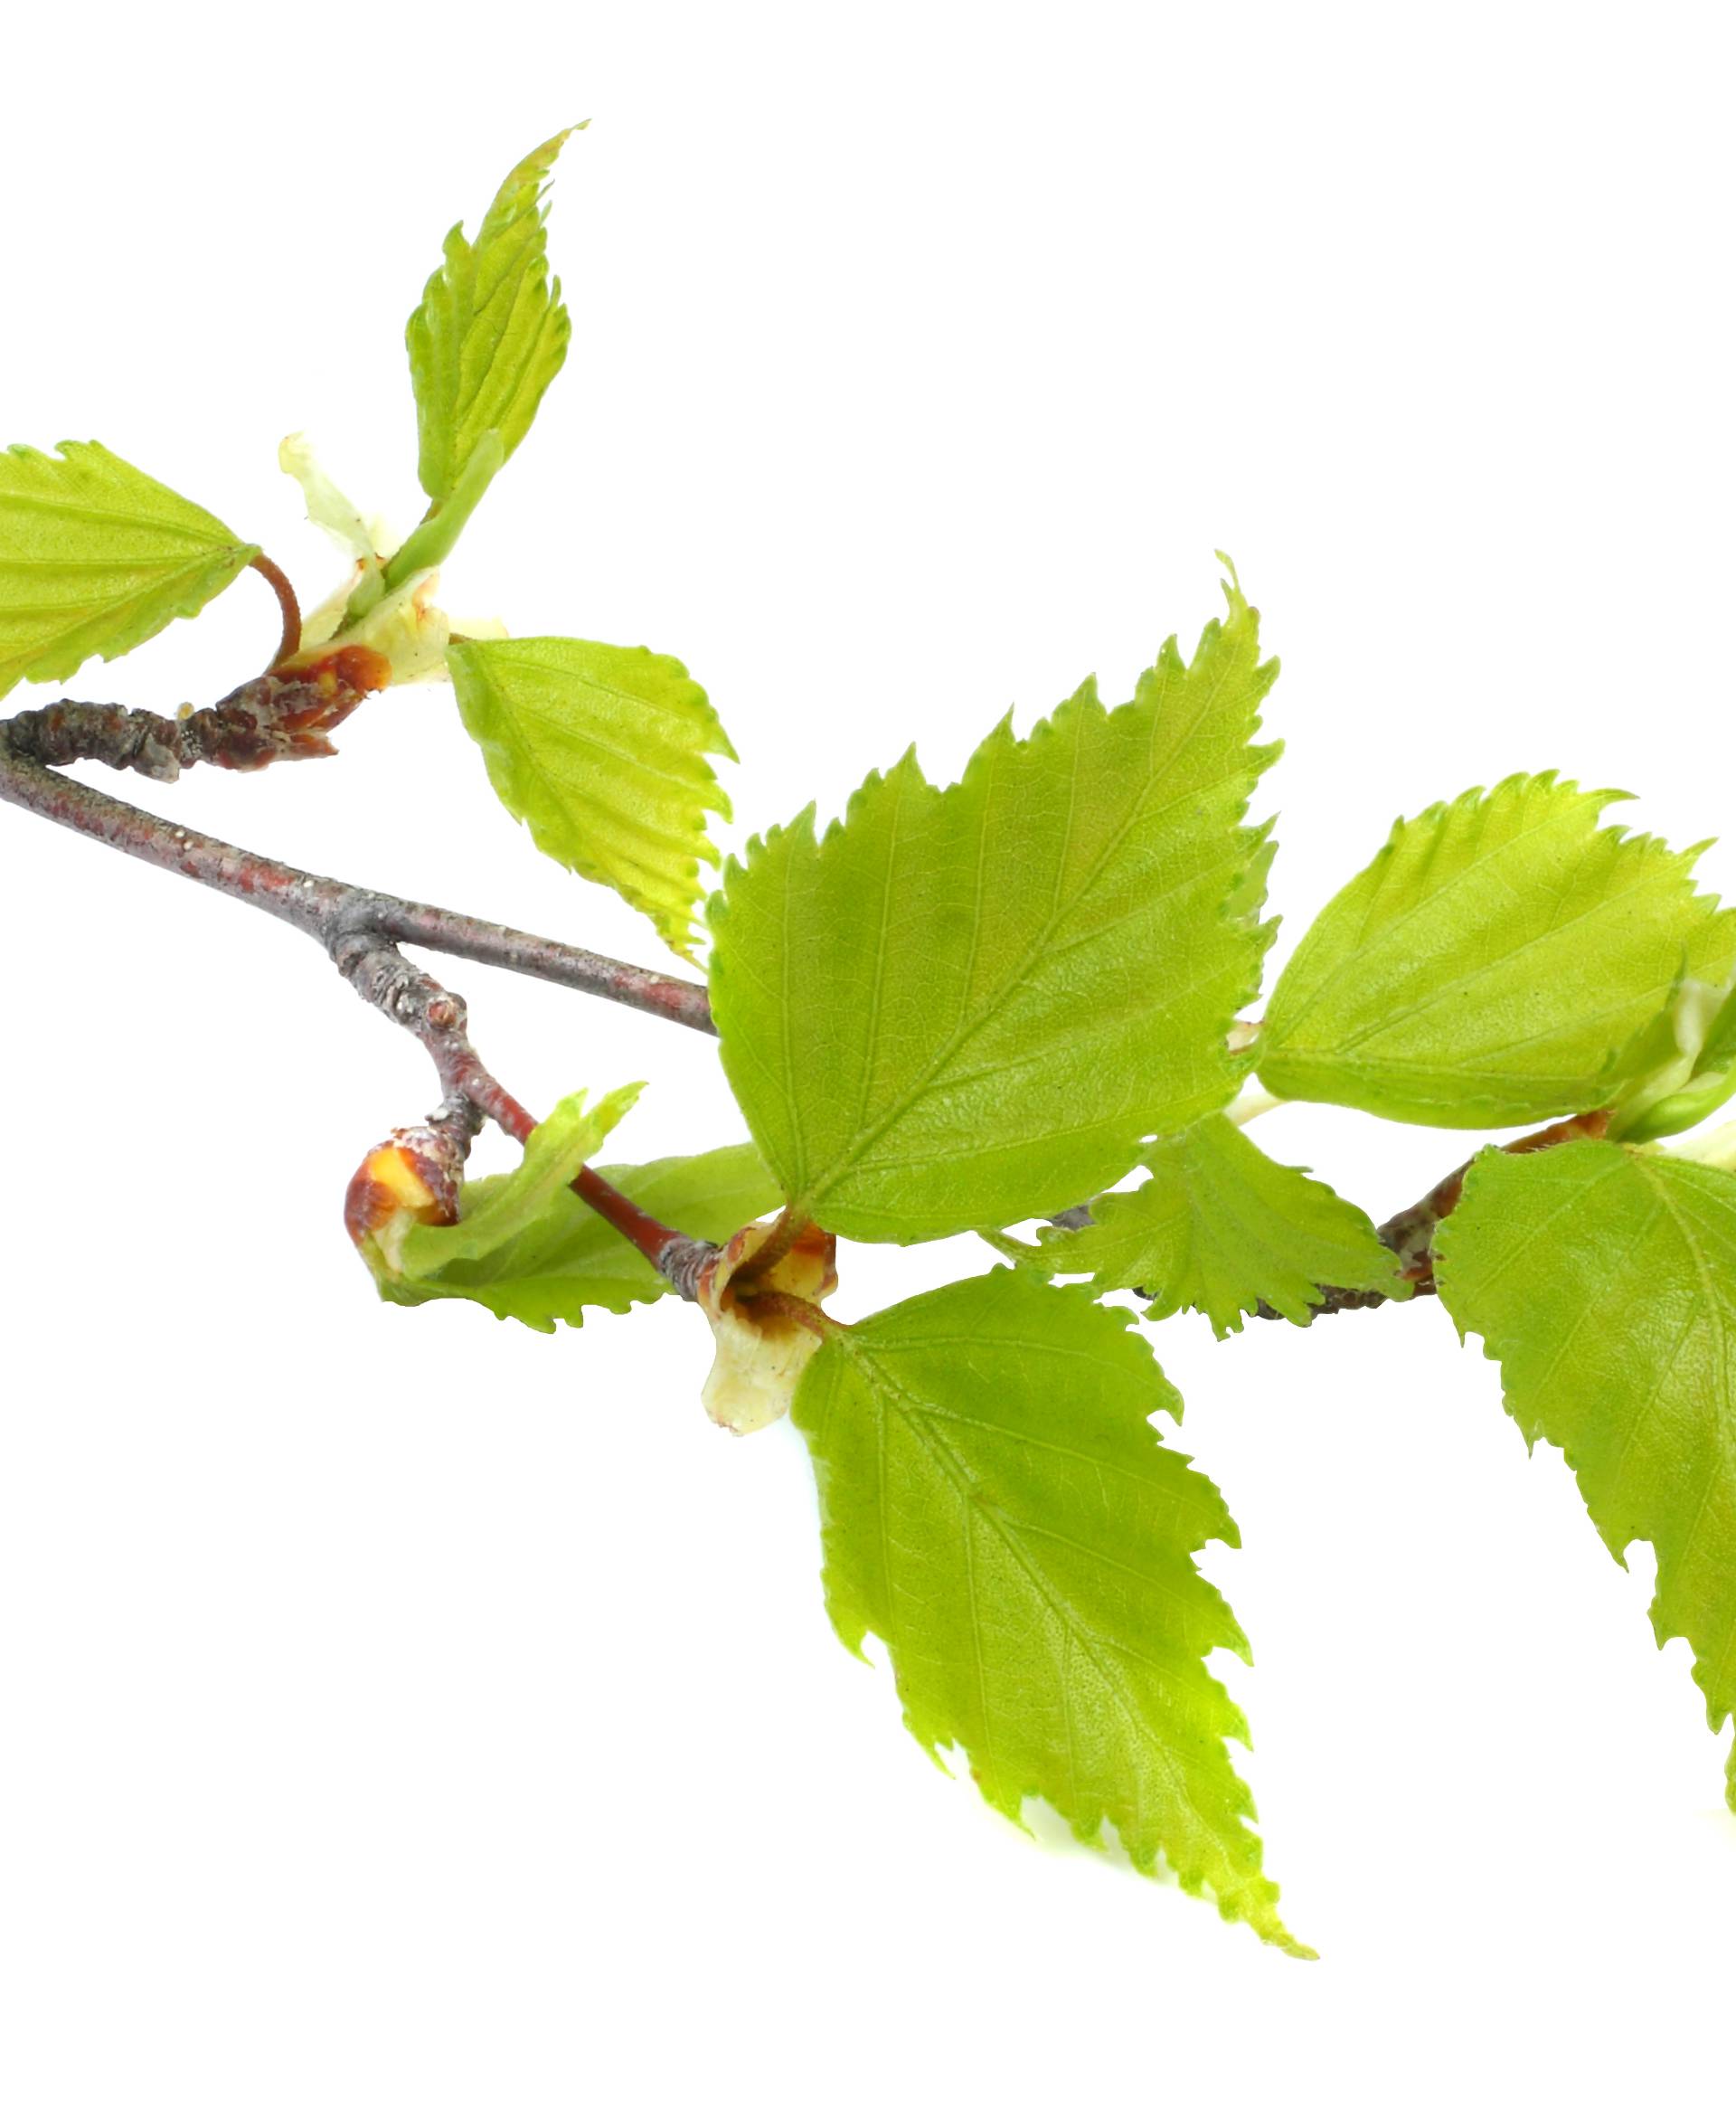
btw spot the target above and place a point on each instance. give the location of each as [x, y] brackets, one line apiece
[1603, 1281]
[553, 1154]
[96, 558]
[601, 753]
[960, 1007]
[1493, 963]
[999, 1513]
[1221, 1227]
[564, 1258]
[491, 331]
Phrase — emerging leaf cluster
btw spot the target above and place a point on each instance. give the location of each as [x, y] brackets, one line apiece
[604, 753]
[543, 1261]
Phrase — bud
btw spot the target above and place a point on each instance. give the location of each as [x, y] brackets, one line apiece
[408, 1179]
[404, 629]
[286, 713]
[764, 1317]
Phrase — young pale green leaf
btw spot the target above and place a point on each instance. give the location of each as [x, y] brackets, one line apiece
[563, 1258]
[553, 1154]
[96, 557]
[999, 1511]
[960, 1007]
[1603, 1281]
[491, 331]
[1493, 963]
[603, 753]
[1694, 1066]
[1221, 1227]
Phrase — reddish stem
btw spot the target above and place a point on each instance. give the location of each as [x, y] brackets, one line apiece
[808, 1313]
[289, 642]
[325, 908]
[647, 1235]
[1410, 1235]
[674, 1255]
[375, 968]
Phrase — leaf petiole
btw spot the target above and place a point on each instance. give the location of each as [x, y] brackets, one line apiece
[437, 534]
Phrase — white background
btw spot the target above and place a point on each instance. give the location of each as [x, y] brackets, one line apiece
[405, 1719]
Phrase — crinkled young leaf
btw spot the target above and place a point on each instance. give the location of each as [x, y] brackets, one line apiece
[1493, 963]
[96, 557]
[1603, 1281]
[1219, 1227]
[553, 1154]
[999, 1512]
[961, 1008]
[564, 1258]
[601, 753]
[491, 331]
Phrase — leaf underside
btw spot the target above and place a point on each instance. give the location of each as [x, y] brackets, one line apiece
[1000, 1514]
[1219, 1227]
[563, 1258]
[491, 332]
[96, 558]
[603, 753]
[1493, 963]
[961, 1008]
[1603, 1282]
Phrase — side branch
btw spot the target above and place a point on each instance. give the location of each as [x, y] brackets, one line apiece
[410, 999]
[470, 1092]
[324, 908]
[365, 933]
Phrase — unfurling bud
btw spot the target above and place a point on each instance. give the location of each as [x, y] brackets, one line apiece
[334, 681]
[410, 1179]
[386, 606]
[758, 1294]
[286, 713]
